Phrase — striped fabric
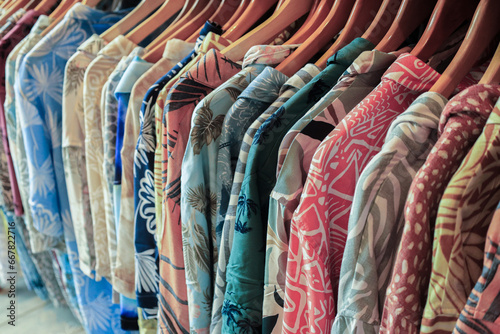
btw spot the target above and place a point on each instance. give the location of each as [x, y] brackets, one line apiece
[463, 218]
[481, 314]
[460, 124]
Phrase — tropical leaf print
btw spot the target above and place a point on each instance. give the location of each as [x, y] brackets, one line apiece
[202, 200]
[233, 92]
[206, 129]
[74, 78]
[242, 227]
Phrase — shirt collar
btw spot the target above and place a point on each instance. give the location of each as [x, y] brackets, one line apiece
[476, 102]
[268, 54]
[345, 55]
[207, 28]
[118, 47]
[43, 22]
[212, 41]
[266, 86]
[176, 47]
[92, 45]
[299, 79]
[412, 73]
[16, 16]
[137, 67]
[370, 62]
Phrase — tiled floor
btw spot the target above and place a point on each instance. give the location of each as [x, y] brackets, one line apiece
[35, 316]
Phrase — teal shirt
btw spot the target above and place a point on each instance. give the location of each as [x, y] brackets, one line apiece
[245, 273]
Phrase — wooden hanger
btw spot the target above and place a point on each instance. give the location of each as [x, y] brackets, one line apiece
[447, 16]
[410, 15]
[32, 4]
[139, 13]
[222, 14]
[160, 16]
[288, 13]
[492, 74]
[316, 17]
[241, 9]
[91, 3]
[334, 22]
[45, 5]
[157, 46]
[483, 29]
[195, 24]
[255, 10]
[12, 9]
[361, 16]
[58, 14]
[381, 23]
[226, 10]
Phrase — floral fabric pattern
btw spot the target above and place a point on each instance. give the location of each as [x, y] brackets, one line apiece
[40, 93]
[228, 188]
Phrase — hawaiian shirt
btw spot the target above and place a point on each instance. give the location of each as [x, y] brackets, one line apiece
[6, 191]
[260, 176]
[319, 225]
[172, 269]
[480, 314]
[460, 125]
[73, 149]
[7, 44]
[375, 227]
[40, 95]
[304, 138]
[38, 241]
[199, 185]
[464, 215]
[209, 73]
[126, 140]
[229, 186]
[146, 251]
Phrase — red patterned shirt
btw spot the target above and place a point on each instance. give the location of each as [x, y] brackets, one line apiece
[319, 225]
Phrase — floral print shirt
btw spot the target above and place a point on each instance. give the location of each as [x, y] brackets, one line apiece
[40, 95]
[198, 186]
[464, 215]
[461, 123]
[146, 251]
[7, 44]
[128, 129]
[95, 77]
[227, 199]
[305, 137]
[73, 149]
